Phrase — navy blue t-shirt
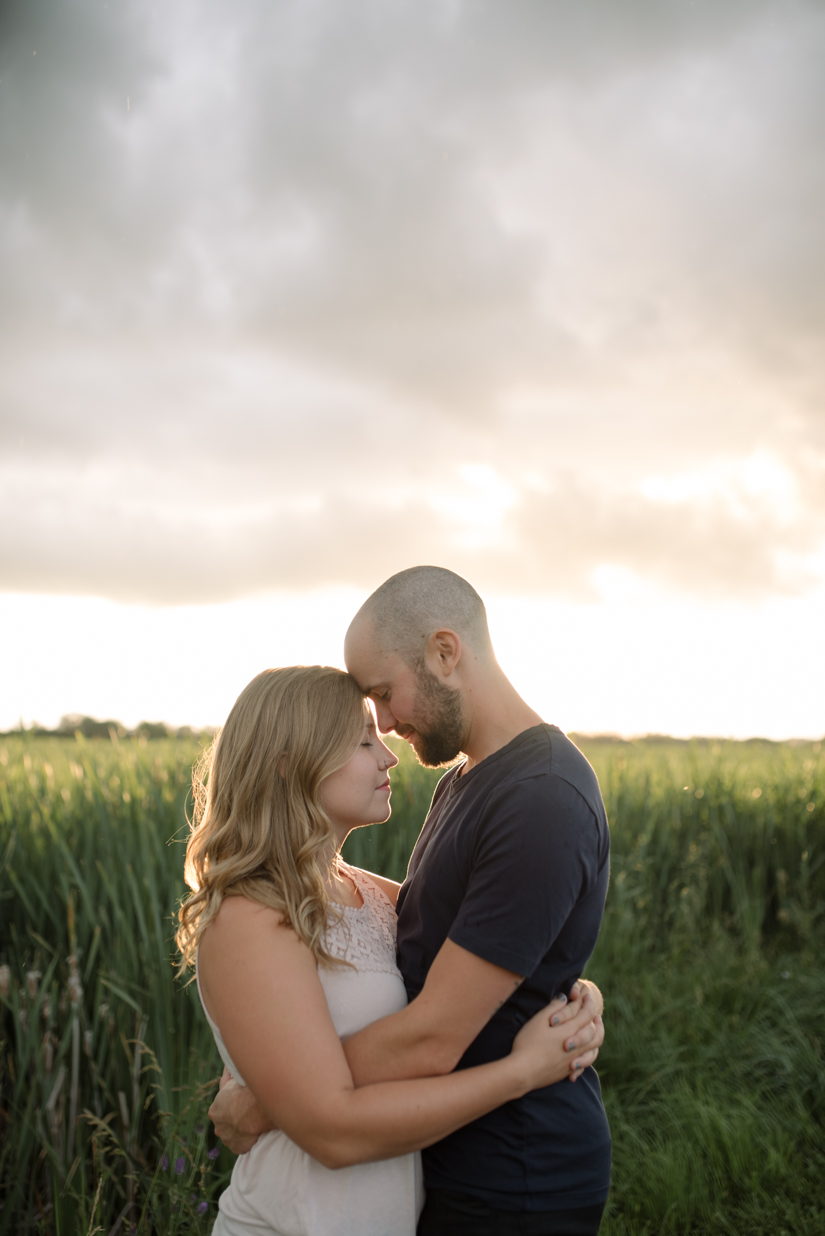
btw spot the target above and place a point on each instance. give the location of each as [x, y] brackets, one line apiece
[512, 864]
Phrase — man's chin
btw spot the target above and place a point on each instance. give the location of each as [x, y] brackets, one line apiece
[429, 757]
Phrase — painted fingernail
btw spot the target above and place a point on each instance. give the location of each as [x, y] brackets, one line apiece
[571, 1046]
[554, 1022]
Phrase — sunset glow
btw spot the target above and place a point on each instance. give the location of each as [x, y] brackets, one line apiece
[291, 303]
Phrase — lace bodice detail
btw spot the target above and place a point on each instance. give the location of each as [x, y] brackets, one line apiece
[364, 935]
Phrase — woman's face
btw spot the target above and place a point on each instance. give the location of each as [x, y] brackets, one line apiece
[359, 793]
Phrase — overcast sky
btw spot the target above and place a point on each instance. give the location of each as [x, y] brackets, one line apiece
[296, 294]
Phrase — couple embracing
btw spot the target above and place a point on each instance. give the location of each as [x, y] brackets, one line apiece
[362, 1022]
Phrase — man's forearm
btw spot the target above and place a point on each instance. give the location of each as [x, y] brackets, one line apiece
[398, 1047]
[429, 1036]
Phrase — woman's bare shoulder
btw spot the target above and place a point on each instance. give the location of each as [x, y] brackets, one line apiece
[245, 933]
[242, 922]
[239, 911]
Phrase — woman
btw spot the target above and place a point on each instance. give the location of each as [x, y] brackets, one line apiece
[295, 950]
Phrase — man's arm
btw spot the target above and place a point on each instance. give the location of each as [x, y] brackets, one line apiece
[430, 1035]
[425, 1039]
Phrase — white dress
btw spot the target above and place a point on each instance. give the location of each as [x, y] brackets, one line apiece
[277, 1189]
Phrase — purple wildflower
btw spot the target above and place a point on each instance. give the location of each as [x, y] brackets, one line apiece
[180, 1164]
[214, 1152]
[164, 1163]
[202, 1208]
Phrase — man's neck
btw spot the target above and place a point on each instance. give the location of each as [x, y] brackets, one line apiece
[499, 716]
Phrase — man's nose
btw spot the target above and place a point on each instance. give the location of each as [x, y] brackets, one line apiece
[383, 715]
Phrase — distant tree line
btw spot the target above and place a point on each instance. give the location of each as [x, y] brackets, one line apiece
[89, 727]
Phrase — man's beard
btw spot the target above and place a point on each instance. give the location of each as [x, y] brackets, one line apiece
[440, 735]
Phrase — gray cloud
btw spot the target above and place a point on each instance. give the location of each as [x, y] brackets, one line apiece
[256, 322]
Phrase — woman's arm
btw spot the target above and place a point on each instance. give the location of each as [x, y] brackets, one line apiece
[289, 1053]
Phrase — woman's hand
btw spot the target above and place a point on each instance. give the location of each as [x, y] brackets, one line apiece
[563, 1039]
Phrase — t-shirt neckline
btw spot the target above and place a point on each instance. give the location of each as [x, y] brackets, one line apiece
[459, 781]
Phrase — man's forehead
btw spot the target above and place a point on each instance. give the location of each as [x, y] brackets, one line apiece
[370, 665]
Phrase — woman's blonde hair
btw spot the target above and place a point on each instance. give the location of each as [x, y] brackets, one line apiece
[258, 828]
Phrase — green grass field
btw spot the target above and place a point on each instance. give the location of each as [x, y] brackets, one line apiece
[710, 959]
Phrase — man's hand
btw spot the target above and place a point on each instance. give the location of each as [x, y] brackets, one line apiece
[238, 1120]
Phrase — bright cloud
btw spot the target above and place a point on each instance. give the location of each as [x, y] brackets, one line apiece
[294, 296]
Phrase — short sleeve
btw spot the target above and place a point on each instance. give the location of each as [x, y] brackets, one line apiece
[535, 853]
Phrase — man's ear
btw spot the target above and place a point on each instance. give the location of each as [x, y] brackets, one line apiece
[443, 652]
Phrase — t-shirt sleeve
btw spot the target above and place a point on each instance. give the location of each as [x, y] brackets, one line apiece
[535, 852]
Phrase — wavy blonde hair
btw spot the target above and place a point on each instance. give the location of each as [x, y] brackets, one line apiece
[258, 827]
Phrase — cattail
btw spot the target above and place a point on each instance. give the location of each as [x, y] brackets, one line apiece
[74, 1089]
[5, 981]
[32, 979]
[88, 1040]
[51, 1103]
[74, 987]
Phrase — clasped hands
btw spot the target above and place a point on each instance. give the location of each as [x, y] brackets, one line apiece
[239, 1121]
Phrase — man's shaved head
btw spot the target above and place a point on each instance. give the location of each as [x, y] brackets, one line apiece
[410, 606]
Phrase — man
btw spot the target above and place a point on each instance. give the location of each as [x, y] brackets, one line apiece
[499, 912]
